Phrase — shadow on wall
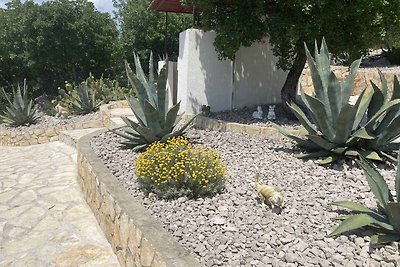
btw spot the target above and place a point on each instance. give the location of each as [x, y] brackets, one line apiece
[257, 79]
[252, 79]
[217, 75]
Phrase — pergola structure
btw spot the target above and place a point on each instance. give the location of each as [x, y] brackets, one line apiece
[172, 6]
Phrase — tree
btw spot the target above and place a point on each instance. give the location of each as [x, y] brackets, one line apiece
[349, 27]
[143, 31]
[56, 41]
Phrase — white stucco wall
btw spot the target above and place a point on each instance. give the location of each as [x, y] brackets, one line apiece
[172, 80]
[257, 79]
[203, 79]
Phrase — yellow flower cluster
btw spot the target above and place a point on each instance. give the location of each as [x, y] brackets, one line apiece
[179, 165]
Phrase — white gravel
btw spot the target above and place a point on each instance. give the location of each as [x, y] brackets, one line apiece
[46, 121]
[235, 229]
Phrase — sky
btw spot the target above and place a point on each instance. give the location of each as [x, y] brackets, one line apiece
[101, 5]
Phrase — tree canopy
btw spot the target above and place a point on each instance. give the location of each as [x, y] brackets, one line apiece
[349, 27]
[143, 31]
[56, 41]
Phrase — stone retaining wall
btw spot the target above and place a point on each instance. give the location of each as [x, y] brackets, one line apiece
[135, 236]
[11, 137]
[362, 80]
[105, 112]
[206, 123]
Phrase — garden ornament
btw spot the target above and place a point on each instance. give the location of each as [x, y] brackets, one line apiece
[271, 113]
[268, 195]
[62, 111]
[258, 115]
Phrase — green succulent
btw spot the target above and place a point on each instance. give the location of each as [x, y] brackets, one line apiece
[387, 225]
[155, 122]
[85, 101]
[21, 110]
[333, 127]
[106, 89]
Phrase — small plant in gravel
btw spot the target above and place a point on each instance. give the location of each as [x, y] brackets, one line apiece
[334, 128]
[175, 168]
[86, 101]
[150, 106]
[386, 225]
[106, 90]
[20, 109]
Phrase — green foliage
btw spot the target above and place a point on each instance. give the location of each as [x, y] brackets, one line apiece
[175, 168]
[392, 32]
[55, 41]
[106, 89]
[86, 101]
[350, 27]
[103, 90]
[20, 109]
[150, 106]
[144, 30]
[333, 127]
[387, 225]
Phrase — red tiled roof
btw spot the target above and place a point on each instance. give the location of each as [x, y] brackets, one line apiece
[174, 6]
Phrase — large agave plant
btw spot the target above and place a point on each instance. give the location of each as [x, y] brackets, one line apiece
[20, 110]
[335, 128]
[155, 121]
[386, 225]
[86, 100]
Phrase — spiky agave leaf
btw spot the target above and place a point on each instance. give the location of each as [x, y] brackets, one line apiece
[155, 121]
[86, 100]
[335, 126]
[386, 226]
[21, 110]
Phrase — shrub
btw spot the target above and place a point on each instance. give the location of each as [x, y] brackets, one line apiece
[334, 128]
[86, 101]
[387, 225]
[99, 91]
[20, 109]
[155, 122]
[175, 169]
[106, 90]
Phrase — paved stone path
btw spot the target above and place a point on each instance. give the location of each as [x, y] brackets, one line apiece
[44, 220]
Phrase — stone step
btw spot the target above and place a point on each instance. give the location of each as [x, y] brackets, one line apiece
[118, 122]
[118, 112]
[71, 137]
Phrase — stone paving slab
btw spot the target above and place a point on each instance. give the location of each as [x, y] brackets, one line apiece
[71, 137]
[44, 220]
[117, 113]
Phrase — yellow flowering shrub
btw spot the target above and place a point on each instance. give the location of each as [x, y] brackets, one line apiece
[175, 169]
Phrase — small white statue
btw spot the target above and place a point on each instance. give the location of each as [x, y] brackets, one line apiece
[271, 113]
[258, 114]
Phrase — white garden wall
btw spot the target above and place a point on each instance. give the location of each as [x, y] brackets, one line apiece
[203, 79]
[172, 80]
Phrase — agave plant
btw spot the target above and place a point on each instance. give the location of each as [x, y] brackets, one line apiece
[386, 225]
[86, 100]
[335, 128]
[155, 122]
[21, 110]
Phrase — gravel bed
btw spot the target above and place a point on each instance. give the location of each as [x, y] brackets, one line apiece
[46, 121]
[235, 229]
[244, 116]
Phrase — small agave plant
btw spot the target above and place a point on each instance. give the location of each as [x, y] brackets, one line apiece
[21, 110]
[335, 128]
[155, 121]
[386, 225]
[86, 100]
